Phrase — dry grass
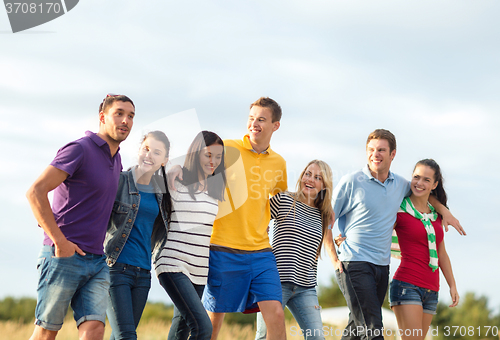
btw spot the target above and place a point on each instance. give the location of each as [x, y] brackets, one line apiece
[153, 330]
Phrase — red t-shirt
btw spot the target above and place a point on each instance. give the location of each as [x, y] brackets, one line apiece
[412, 237]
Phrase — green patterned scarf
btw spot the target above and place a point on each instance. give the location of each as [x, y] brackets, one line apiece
[427, 219]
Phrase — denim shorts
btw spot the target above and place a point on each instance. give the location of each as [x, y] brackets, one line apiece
[304, 306]
[80, 280]
[236, 282]
[403, 293]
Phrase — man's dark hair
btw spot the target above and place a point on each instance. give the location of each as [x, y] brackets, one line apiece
[110, 99]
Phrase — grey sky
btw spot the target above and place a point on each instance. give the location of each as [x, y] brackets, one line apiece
[426, 70]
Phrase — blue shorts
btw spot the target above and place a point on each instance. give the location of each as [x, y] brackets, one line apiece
[236, 282]
[80, 280]
[403, 293]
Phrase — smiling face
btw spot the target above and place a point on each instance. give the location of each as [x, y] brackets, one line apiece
[261, 127]
[379, 156]
[422, 181]
[152, 155]
[312, 182]
[116, 122]
[210, 158]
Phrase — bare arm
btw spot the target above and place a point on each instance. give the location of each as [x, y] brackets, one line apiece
[172, 174]
[445, 265]
[448, 218]
[330, 249]
[37, 196]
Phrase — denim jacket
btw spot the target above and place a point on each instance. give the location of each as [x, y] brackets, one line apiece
[123, 217]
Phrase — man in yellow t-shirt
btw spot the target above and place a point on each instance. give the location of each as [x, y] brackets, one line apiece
[243, 273]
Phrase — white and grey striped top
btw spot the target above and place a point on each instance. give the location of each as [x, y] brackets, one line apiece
[188, 238]
[296, 238]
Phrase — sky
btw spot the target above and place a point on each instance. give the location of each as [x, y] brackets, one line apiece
[426, 70]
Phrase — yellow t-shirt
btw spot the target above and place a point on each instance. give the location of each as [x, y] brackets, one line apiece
[252, 178]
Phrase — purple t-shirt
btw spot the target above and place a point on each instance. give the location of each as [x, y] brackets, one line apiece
[82, 203]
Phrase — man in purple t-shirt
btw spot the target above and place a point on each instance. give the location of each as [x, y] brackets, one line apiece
[72, 269]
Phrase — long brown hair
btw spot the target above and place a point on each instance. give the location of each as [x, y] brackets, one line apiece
[439, 191]
[216, 182]
[160, 177]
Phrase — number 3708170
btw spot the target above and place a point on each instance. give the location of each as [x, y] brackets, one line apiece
[25, 8]
[470, 330]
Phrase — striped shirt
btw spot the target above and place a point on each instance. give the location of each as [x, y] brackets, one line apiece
[296, 238]
[188, 238]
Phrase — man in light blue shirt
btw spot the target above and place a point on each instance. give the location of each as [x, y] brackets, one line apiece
[366, 210]
[366, 204]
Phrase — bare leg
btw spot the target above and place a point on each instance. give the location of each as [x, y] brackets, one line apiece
[43, 334]
[91, 330]
[411, 321]
[216, 319]
[426, 323]
[274, 317]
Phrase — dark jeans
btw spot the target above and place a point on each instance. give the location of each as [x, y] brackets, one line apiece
[364, 286]
[128, 294]
[189, 314]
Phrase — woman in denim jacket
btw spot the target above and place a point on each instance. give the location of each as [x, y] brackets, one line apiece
[138, 226]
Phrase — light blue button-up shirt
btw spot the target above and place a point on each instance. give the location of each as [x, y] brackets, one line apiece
[366, 210]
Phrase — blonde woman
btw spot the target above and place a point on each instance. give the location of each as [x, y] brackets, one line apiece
[301, 220]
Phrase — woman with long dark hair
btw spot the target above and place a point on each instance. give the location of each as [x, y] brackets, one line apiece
[415, 285]
[182, 267]
[138, 226]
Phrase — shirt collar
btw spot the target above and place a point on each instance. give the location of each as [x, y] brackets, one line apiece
[132, 178]
[134, 186]
[367, 172]
[95, 138]
[99, 141]
[248, 145]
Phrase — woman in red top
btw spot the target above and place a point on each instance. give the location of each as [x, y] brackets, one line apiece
[415, 286]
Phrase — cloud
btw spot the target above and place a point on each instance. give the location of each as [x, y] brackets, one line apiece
[428, 71]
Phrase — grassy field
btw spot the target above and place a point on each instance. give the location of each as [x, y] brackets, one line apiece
[152, 330]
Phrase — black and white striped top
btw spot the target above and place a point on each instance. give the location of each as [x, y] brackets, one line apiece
[296, 238]
[188, 238]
